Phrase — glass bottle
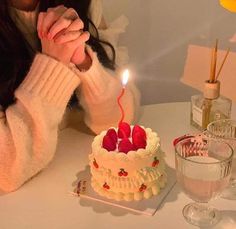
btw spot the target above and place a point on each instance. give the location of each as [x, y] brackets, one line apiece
[209, 106]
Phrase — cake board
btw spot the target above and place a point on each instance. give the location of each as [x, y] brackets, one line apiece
[145, 206]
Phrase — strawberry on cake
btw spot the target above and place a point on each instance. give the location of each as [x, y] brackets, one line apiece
[127, 163]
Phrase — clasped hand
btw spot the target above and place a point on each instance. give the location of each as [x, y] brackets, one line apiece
[61, 33]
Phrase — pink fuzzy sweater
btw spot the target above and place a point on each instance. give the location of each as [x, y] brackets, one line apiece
[29, 128]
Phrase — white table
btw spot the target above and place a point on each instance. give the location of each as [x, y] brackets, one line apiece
[44, 201]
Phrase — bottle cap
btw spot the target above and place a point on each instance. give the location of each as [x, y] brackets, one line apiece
[211, 90]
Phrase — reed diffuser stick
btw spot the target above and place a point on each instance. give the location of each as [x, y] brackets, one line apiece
[207, 113]
[222, 64]
[213, 62]
[207, 103]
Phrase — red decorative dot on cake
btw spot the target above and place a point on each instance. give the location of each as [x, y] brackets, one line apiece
[122, 172]
[155, 162]
[142, 188]
[106, 186]
[95, 164]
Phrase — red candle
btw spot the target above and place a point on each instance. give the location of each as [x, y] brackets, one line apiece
[125, 77]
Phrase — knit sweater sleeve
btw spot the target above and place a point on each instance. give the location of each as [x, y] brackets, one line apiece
[28, 128]
[98, 93]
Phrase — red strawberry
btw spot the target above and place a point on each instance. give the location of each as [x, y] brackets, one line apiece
[108, 143]
[138, 141]
[124, 130]
[112, 134]
[125, 145]
[140, 130]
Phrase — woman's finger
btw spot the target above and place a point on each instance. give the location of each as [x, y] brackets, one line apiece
[81, 39]
[62, 32]
[67, 36]
[64, 22]
[54, 8]
[70, 14]
[58, 26]
[78, 36]
[76, 25]
[71, 36]
[40, 23]
[51, 17]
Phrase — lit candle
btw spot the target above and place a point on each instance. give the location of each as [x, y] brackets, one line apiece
[125, 77]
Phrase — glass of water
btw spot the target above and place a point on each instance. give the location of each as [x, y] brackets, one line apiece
[225, 130]
[203, 169]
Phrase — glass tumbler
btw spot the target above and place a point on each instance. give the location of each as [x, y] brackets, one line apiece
[226, 130]
[203, 169]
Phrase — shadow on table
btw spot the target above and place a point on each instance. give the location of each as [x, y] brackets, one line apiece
[228, 220]
[102, 205]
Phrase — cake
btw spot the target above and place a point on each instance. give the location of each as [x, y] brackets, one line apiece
[127, 163]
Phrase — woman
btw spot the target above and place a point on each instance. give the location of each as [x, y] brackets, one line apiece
[41, 66]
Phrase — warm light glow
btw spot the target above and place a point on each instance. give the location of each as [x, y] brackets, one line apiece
[125, 77]
[229, 5]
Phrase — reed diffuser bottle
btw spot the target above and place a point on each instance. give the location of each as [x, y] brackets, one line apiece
[210, 106]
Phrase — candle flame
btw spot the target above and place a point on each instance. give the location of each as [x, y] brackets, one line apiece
[125, 77]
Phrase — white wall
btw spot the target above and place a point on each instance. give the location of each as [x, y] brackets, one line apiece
[158, 37]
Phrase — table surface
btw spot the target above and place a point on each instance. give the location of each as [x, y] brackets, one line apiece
[44, 202]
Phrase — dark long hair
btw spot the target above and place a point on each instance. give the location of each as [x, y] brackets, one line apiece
[15, 57]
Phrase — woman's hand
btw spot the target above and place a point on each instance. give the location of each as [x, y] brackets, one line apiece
[72, 32]
[55, 20]
[61, 34]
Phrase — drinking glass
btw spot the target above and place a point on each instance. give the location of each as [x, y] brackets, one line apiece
[203, 169]
[225, 130]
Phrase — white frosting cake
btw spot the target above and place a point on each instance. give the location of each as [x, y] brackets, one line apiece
[133, 175]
